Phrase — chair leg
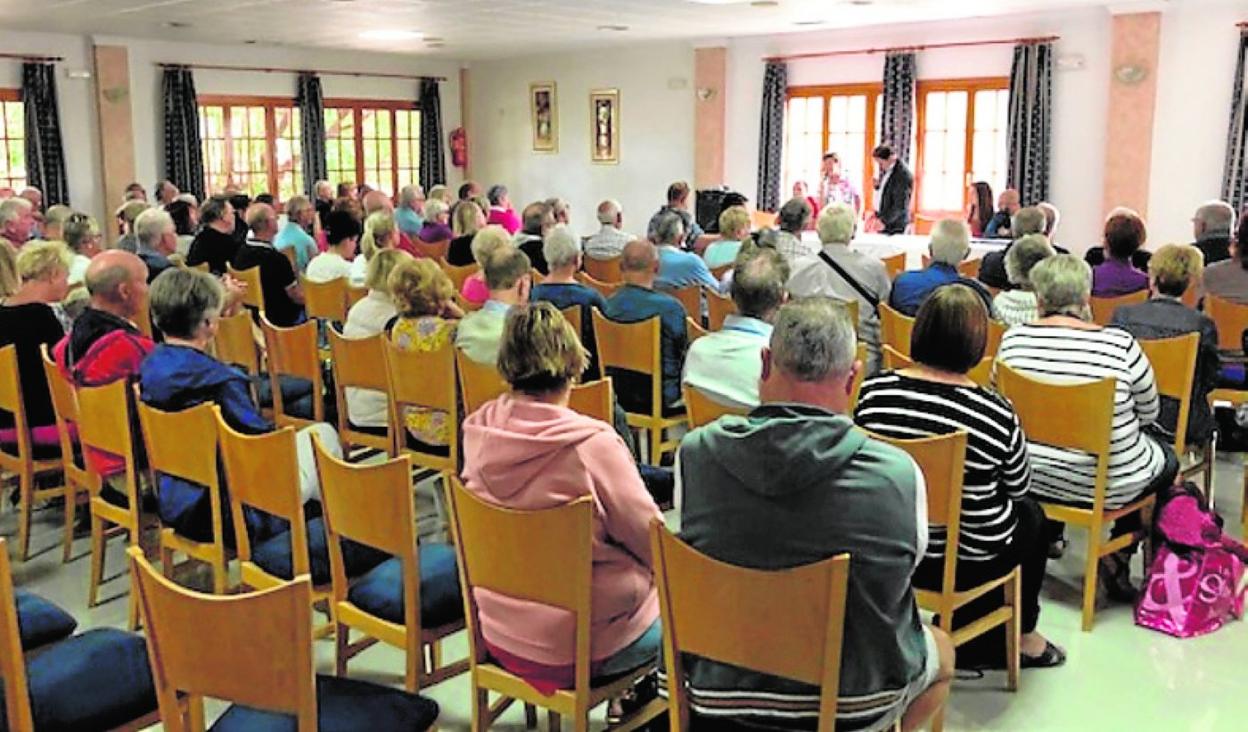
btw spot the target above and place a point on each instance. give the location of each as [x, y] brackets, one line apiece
[1092, 564]
[553, 722]
[25, 499]
[938, 720]
[133, 609]
[97, 560]
[220, 575]
[1209, 457]
[530, 716]
[166, 562]
[71, 509]
[1013, 661]
[341, 640]
[480, 710]
[656, 445]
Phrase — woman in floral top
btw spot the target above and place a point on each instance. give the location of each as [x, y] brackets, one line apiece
[835, 187]
[426, 322]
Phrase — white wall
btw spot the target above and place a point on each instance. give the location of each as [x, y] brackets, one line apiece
[656, 128]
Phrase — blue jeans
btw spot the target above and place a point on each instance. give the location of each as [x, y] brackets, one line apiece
[634, 655]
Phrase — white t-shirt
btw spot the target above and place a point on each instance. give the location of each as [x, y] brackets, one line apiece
[78, 268]
[328, 266]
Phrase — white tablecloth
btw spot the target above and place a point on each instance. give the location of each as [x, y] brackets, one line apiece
[915, 246]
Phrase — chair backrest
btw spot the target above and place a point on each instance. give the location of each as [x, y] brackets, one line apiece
[11, 401]
[603, 270]
[291, 256]
[354, 295]
[762, 220]
[1231, 319]
[572, 314]
[694, 329]
[325, 300]
[183, 445]
[420, 379]
[894, 265]
[539, 556]
[996, 331]
[895, 329]
[355, 362]
[860, 355]
[718, 308]
[17, 710]
[458, 275]
[104, 420]
[629, 346]
[594, 399]
[1174, 369]
[719, 272]
[606, 289]
[432, 249]
[254, 295]
[253, 649]
[478, 382]
[981, 374]
[690, 299]
[702, 410]
[785, 623]
[143, 316]
[235, 342]
[293, 352]
[65, 404]
[1103, 307]
[851, 308]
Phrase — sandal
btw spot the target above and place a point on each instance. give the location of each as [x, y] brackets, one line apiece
[1050, 658]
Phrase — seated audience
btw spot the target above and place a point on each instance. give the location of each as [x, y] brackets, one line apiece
[800, 190]
[1124, 235]
[179, 374]
[1212, 226]
[1001, 225]
[368, 317]
[560, 288]
[796, 483]
[608, 242]
[469, 219]
[82, 235]
[1025, 221]
[505, 442]
[125, 216]
[486, 241]
[17, 221]
[1018, 305]
[334, 263]
[677, 203]
[949, 246]
[324, 202]
[979, 211]
[378, 202]
[842, 273]
[678, 268]
[241, 203]
[166, 193]
[507, 275]
[283, 297]
[1172, 270]
[1001, 527]
[435, 229]
[348, 189]
[734, 228]
[296, 233]
[1228, 279]
[726, 365]
[636, 301]
[538, 220]
[9, 280]
[1064, 345]
[158, 239]
[501, 211]
[185, 223]
[439, 193]
[136, 192]
[53, 226]
[215, 242]
[792, 220]
[408, 215]
[1052, 219]
[560, 209]
[380, 232]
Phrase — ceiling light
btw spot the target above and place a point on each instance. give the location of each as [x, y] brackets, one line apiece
[391, 34]
[764, 3]
[861, 2]
[177, 24]
[809, 22]
[613, 27]
[720, 2]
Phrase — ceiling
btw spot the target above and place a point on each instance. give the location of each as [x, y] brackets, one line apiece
[480, 29]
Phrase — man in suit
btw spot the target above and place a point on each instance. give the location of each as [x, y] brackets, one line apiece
[893, 187]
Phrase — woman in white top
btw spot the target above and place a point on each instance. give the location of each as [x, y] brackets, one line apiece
[380, 232]
[342, 232]
[1018, 306]
[368, 317]
[1063, 345]
[82, 234]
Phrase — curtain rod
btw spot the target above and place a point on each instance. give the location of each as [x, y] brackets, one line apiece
[28, 57]
[276, 70]
[921, 47]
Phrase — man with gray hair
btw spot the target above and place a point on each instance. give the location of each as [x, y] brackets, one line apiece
[1212, 226]
[297, 231]
[609, 241]
[678, 268]
[792, 220]
[17, 220]
[408, 215]
[949, 246]
[563, 256]
[794, 483]
[842, 273]
[157, 239]
[726, 365]
[1025, 221]
[283, 297]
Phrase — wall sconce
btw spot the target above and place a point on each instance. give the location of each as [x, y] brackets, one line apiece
[706, 94]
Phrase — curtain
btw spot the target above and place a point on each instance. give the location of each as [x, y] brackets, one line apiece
[897, 114]
[771, 134]
[312, 123]
[1235, 175]
[45, 157]
[1031, 121]
[184, 154]
[432, 155]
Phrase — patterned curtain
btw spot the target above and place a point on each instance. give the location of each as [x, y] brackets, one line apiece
[1235, 175]
[45, 157]
[312, 122]
[1031, 121]
[771, 134]
[184, 153]
[897, 117]
[432, 155]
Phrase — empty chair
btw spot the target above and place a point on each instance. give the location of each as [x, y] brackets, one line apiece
[73, 466]
[293, 354]
[359, 370]
[325, 300]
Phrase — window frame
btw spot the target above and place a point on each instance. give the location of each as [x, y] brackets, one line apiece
[873, 92]
[13, 95]
[971, 86]
[270, 105]
[358, 106]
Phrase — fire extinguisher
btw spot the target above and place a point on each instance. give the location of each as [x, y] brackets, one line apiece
[459, 148]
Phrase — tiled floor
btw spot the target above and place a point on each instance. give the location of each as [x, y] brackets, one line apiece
[1118, 677]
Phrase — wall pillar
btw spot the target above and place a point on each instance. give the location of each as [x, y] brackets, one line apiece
[1132, 107]
[710, 70]
[116, 128]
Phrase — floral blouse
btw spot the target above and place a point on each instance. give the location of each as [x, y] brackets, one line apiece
[842, 191]
[425, 333]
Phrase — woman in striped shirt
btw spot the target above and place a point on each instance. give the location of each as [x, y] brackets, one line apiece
[1001, 528]
[1064, 345]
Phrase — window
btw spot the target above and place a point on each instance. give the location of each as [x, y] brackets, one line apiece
[12, 140]
[371, 142]
[840, 119]
[252, 143]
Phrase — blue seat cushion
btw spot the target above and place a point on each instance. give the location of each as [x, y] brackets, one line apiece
[296, 394]
[342, 705]
[94, 681]
[273, 555]
[40, 621]
[380, 592]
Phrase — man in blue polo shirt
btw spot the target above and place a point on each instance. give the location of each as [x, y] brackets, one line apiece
[678, 268]
[950, 243]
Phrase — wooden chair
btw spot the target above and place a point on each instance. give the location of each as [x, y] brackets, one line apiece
[603, 270]
[325, 300]
[635, 347]
[894, 265]
[1231, 319]
[433, 250]
[22, 462]
[895, 329]
[786, 623]
[253, 297]
[543, 557]
[536, 277]
[968, 268]
[719, 272]
[184, 445]
[458, 275]
[1094, 403]
[594, 399]
[1103, 307]
[703, 410]
[143, 317]
[694, 329]
[467, 306]
[292, 257]
[572, 314]
[606, 289]
[373, 505]
[255, 651]
[357, 363]
[422, 379]
[861, 356]
[719, 308]
[981, 374]
[236, 344]
[762, 220]
[354, 295]
[77, 481]
[996, 331]
[1174, 369]
[942, 459]
[478, 382]
[691, 300]
[294, 352]
[104, 424]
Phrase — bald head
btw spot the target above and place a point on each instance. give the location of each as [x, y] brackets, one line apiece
[376, 201]
[639, 263]
[116, 280]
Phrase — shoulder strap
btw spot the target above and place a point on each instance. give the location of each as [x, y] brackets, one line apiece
[872, 299]
[389, 326]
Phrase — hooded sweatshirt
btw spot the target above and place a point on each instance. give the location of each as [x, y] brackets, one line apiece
[790, 485]
[530, 455]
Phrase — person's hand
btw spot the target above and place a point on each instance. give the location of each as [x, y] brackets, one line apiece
[451, 310]
[235, 290]
[872, 224]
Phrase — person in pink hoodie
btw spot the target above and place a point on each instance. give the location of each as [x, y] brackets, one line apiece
[527, 450]
[501, 211]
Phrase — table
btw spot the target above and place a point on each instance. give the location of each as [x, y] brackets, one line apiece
[914, 246]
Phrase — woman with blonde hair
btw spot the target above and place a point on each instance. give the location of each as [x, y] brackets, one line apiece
[380, 232]
[469, 219]
[484, 243]
[734, 228]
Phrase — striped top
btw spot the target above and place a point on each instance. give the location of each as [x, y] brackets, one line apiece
[996, 469]
[1016, 307]
[1069, 355]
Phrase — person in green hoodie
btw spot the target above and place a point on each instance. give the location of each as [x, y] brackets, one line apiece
[792, 483]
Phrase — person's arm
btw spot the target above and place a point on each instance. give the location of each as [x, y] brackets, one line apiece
[703, 275]
[627, 508]
[1207, 357]
[287, 275]
[1015, 469]
[921, 530]
[239, 410]
[1143, 384]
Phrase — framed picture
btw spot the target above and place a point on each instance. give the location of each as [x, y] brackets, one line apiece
[604, 117]
[544, 106]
